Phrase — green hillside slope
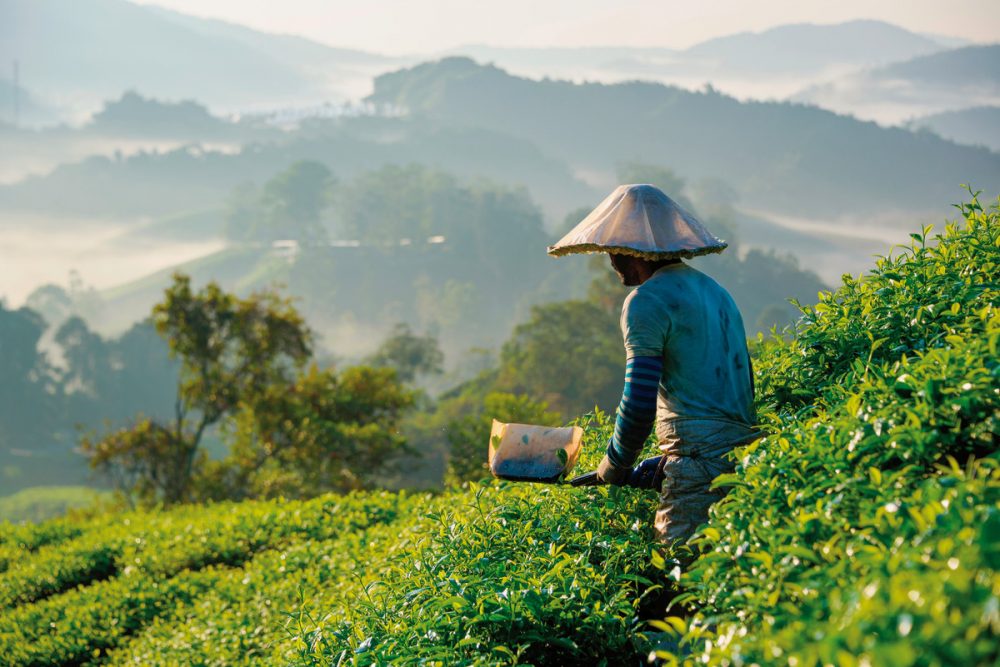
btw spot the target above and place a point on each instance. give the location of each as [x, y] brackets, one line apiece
[975, 126]
[147, 183]
[785, 157]
[863, 530]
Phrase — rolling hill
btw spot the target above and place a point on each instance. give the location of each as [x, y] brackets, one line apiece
[977, 126]
[779, 156]
[767, 64]
[809, 49]
[945, 81]
[147, 183]
[76, 54]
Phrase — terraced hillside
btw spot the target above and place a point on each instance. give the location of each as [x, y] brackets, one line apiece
[864, 530]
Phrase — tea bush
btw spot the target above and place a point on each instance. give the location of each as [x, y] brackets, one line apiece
[864, 529]
[505, 575]
[161, 561]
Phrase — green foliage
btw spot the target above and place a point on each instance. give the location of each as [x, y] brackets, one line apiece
[290, 433]
[510, 575]
[39, 503]
[409, 354]
[861, 531]
[232, 352]
[478, 576]
[569, 354]
[324, 432]
[289, 206]
[852, 534]
[142, 566]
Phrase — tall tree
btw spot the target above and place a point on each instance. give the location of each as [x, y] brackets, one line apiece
[231, 351]
[294, 200]
[28, 393]
[323, 432]
[289, 206]
[87, 357]
[569, 354]
[409, 354]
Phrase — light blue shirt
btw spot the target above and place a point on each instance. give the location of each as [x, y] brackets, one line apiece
[705, 397]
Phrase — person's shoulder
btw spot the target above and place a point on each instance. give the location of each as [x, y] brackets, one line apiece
[646, 299]
[641, 296]
[661, 285]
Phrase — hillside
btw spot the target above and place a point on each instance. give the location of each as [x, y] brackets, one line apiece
[133, 114]
[146, 183]
[953, 79]
[861, 530]
[967, 66]
[978, 126]
[767, 65]
[812, 49]
[780, 157]
[90, 50]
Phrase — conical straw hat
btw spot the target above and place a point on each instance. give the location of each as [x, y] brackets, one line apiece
[642, 221]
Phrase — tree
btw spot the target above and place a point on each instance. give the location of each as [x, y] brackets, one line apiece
[87, 357]
[51, 302]
[323, 432]
[569, 354]
[232, 352]
[289, 206]
[409, 354]
[27, 389]
[293, 202]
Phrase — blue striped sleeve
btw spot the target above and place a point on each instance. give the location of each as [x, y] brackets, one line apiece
[637, 411]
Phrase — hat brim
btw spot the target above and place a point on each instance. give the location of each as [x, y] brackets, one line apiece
[584, 248]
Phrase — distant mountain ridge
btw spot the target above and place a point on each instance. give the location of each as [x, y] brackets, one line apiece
[809, 47]
[81, 52]
[769, 63]
[75, 54]
[978, 126]
[977, 65]
[965, 77]
[778, 155]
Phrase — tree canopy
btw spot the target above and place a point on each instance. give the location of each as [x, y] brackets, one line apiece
[290, 430]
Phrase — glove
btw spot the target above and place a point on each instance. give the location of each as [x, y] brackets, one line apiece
[647, 475]
[609, 473]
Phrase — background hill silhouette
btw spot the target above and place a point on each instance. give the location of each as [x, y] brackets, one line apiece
[781, 156]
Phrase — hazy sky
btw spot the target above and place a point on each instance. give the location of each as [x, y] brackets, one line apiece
[426, 26]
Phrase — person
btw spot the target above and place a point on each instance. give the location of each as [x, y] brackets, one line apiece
[687, 367]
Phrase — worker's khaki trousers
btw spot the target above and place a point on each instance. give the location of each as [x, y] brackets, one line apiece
[686, 494]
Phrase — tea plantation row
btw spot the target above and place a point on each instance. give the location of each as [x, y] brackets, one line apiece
[866, 529]
[863, 530]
